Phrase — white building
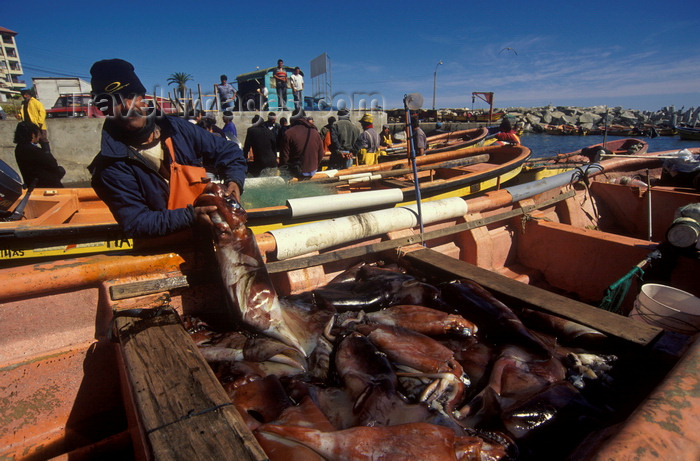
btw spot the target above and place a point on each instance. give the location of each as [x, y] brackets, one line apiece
[10, 65]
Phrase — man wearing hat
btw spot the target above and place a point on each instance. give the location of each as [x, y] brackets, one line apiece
[420, 141]
[132, 170]
[229, 127]
[385, 138]
[302, 147]
[260, 147]
[368, 141]
[438, 130]
[344, 133]
[33, 111]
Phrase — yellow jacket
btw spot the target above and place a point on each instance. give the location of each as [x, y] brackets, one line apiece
[37, 113]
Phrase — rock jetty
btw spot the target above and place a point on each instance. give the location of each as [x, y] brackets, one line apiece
[539, 119]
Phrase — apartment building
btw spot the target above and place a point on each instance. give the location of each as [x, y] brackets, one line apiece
[10, 65]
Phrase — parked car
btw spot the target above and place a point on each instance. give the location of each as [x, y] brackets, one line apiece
[73, 105]
[80, 105]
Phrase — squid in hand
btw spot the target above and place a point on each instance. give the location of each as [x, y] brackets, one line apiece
[250, 292]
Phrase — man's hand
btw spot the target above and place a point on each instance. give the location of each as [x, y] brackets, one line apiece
[233, 191]
[201, 214]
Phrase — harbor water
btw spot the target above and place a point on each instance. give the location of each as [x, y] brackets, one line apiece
[544, 145]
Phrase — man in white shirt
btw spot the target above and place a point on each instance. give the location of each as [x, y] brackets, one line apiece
[297, 87]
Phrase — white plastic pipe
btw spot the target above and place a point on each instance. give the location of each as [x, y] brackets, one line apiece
[308, 206]
[530, 189]
[298, 240]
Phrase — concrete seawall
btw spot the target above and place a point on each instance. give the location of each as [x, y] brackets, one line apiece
[76, 141]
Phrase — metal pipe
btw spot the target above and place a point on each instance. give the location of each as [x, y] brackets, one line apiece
[649, 203]
[435, 82]
[412, 144]
[605, 129]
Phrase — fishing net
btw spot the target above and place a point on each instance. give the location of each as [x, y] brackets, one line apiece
[616, 293]
[270, 191]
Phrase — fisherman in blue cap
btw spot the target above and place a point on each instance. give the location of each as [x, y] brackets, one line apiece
[132, 173]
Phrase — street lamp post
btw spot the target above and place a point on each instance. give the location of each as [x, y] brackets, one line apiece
[435, 82]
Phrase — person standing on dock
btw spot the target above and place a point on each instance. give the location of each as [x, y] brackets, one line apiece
[297, 88]
[260, 144]
[133, 172]
[302, 147]
[32, 110]
[229, 127]
[227, 94]
[263, 93]
[325, 133]
[280, 76]
[344, 133]
[367, 143]
[420, 141]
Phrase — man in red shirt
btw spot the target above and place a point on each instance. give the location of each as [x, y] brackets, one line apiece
[280, 76]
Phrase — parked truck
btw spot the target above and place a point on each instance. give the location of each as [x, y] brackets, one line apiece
[49, 89]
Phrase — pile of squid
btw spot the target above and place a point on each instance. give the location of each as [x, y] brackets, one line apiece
[381, 365]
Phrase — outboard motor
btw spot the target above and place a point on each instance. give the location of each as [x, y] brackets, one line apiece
[10, 186]
[594, 154]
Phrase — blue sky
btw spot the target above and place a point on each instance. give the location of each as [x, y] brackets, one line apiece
[635, 54]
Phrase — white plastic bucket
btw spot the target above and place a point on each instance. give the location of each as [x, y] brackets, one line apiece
[668, 308]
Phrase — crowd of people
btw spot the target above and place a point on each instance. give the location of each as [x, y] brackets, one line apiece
[281, 81]
[298, 149]
[144, 152]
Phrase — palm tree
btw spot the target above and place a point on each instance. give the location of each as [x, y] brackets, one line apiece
[180, 79]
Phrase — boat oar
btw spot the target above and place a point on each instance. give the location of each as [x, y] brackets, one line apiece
[482, 158]
[648, 157]
[431, 145]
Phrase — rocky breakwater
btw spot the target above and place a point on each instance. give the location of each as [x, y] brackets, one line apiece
[588, 119]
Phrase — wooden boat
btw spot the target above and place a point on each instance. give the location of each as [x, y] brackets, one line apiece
[66, 222]
[538, 168]
[443, 142]
[484, 117]
[566, 130]
[621, 130]
[688, 133]
[147, 392]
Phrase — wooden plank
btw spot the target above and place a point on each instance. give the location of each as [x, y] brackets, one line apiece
[145, 287]
[159, 285]
[506, 289]
[184, 412]
[398, 183]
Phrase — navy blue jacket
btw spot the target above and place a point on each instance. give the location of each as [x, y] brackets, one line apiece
[138, 196]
